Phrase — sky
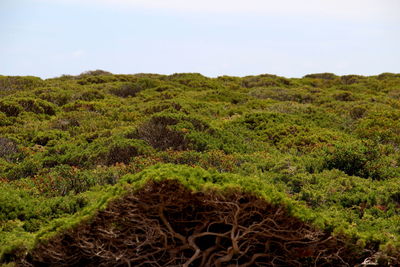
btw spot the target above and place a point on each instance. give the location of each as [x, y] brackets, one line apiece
[291, 38]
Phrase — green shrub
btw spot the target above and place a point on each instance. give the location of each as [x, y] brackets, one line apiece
[382, 127]
[131, 89]
[166, 107]
[358, 159]
[123, 150]
[329, 141]
[37, 106]
[33, 211]
[265, 80]
[96, 77]
[63, 180]
[226, 96]
[27, 168]
[159, 134]
[91, 95]
[10, 107]
[324, 76]
[126, 90]
[102, 151]
[14, 106]
[194, 81]
[4, 120]
[344, 96]
[94, 73]
[262, 120]
[351, 79]
[388, 75]
[283, 94]
[50, 137]
[56, 96]
[10, 83]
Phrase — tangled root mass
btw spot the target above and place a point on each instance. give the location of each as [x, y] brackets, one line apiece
[165, 224]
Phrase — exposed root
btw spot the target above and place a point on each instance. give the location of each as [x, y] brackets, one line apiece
[164, 224]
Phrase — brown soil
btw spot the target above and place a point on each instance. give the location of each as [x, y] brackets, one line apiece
[165, 224]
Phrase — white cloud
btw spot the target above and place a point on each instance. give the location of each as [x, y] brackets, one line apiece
[356, 9]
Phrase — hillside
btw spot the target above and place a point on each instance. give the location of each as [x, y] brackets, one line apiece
[187, 170]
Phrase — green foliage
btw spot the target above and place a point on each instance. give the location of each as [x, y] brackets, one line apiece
[91, 95]
[26, 168]
[22, 213]
[355, 159]
[361, 159]
[57, 96]
[49, 138]
[101, 151]
[174, 131]
[383, 127]
[4, 120]
[264, 80]
[284, 94]
[15, 106]
[94, 73]
[130, 89]
[193, 81]
[14, 83]
[325, 76]
[37, 106]
[10, 107]
[326, 146]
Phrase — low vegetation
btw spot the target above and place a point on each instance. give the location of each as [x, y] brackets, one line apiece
[199, 171]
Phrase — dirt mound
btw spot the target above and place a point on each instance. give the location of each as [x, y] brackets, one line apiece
[165, 224]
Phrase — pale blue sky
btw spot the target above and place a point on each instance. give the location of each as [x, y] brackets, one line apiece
[48, 38]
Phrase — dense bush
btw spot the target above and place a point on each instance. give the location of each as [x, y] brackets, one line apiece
[13, 107]
[283, 94]
[264, 80]
[194, 81]
[91, 95]
[56, 96]
[123, 150]
[37, 106]
[351, 79]
[126, 89]
[166, 106]
[331, 143]
[132, 88]
[10, 107]
[95, 73]
[160, 134]
[344, 96]
[49, 138]
[102, 151]
[5, 120]
[10, 83]
[382, 127]
[356, 159]
[324, 76]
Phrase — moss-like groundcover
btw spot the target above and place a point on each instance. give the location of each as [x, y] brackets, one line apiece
[253, 170]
